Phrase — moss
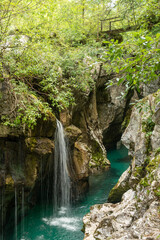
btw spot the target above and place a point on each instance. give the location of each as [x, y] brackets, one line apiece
[149, 166]
[153, 163]
[144, 182]
[116, 193]
[157, 97]
[157, 151]
[138, 172]
[148, 192]
[50, 115]
[98, 158]
[147, 127]
[9, 181]
[126, 120]
[157, 192]
[31, 143]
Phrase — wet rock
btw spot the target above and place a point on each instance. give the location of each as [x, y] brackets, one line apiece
[40, 146]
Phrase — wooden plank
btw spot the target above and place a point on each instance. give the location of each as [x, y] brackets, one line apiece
[117, 20]
[109, 19]
[120, 30]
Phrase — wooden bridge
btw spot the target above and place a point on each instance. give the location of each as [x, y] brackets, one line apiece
[107, 26]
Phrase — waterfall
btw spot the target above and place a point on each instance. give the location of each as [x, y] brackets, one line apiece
[15, 219]
[23, 211]
[62, 184]
[2, 205]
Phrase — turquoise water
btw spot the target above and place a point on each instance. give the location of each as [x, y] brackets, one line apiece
[40, 224]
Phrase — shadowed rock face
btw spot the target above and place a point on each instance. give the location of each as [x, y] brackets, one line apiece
[25, 156]
[136, 215]
[23, 162]
[112, 110]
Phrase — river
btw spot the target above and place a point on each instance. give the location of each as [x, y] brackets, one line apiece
[40, 224]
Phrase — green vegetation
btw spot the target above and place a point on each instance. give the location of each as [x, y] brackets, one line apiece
[148, 126]
[136, 59]
[49, 51]
[116, 193]
[148, 174]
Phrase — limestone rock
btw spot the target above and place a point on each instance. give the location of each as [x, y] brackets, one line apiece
[87, 121]
[121, 187]
[73, 132]
[81, 156]
[136, 215]
[111, 111]
[40, 146]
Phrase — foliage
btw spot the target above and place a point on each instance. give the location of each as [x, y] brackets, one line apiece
[136, 61]
[28, 107]
[50, 50]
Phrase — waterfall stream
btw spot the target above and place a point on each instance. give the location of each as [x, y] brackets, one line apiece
[67, 225]
[2, 204]
[62, 184]
[23, 211]
[15, 212]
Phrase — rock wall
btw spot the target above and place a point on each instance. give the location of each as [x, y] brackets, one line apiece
[26, 156]
[25, 159]
[87, 120]
[136, 215]
[112, 110]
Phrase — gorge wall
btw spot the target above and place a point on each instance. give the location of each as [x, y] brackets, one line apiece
[133, 211]
[26, 155]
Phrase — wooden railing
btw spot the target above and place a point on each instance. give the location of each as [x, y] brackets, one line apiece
[110, 29]
[110, 21]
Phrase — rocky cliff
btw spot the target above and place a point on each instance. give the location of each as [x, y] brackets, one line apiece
[24, 159]
[134, 211]
[26, 155]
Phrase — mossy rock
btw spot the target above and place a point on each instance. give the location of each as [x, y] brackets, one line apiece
[40, 146]
[157, 192]
[31, 173]
[99, 160]
[116, 193]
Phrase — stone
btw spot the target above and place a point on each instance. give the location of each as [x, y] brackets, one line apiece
[41, 146]
[73, 132]
[81, 156]
[111, 111]
[120, 188]
[136, 215]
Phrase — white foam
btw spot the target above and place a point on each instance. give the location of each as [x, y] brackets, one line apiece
[62, 211]
[40, 237]
[71, 224]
